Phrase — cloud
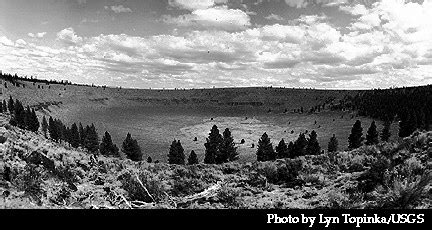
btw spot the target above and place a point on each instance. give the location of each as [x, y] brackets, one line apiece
[192, 4]
[68, 36]
[383, 45]
[118, 9]
[219, 17]
[37, 35]
[274, 17]
[305, 3]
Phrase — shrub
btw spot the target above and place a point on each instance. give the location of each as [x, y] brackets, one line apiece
[30, 181]
[155, 187]
[406, 193]
[374, 176]
[228, 195]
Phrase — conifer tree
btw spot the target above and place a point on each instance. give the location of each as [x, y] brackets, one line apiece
[52, 129]
[212, 145]
[11, 105]
[149, 160]
[300, 145]
[282, 150]
[91, 141]
[333, 144]
[1, 107]
[421, 119]
[5, 108]
[107, 148]
[19, 114]
[385, 133]
[74, 136]
[355, 139]
[176, 153]
[227, 150]
[131, 148]
[61, 129]
[265, 151]
[372, 135]
[193, 158]
[291, 150]
[313, 147]
[27, 118]
[33, 121]
[81, 134]
[407, 125]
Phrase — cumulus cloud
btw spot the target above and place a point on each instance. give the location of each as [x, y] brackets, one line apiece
[274, 17]
[118, 9]
[384, 44]
[219, 17]
[68, 36]
[37, 35]
[192, 4]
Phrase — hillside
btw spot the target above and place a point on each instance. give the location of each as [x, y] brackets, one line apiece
[259, 99]
[38, 173]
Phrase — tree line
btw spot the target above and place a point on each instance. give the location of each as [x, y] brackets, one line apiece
[76, 135]
[410, 106]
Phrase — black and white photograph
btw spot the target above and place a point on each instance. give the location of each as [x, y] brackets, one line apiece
[217, 104]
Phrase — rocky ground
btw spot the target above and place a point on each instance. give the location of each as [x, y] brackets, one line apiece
[36, 172]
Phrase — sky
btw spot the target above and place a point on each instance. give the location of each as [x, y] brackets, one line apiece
[326, 44]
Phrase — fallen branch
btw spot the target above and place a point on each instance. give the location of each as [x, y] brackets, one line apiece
[142, 185]
[209, 192]
[126, 201]
[171, 199]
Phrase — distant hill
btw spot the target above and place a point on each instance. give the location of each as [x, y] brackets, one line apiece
[261, 99]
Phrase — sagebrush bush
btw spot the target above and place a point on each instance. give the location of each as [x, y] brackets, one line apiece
[156, 188]
[30, 181]
[405, 192]
[227, 194]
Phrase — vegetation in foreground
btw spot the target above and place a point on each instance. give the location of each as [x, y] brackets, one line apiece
[40, 173]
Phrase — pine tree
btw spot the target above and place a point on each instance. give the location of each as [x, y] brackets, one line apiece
[385, 133]
[227, 150]
[333, 144]
[33, 121]
[372, 135]
[91, 141]
[421, 119]
[131, 148]
[313, 147]
[149, 160]
[11, 105]
[282, 150]
[81, 134]
[44, 126]
[355, 139]
[52, 129]
[300, 145]
[1, 107]
[193, 158]
[265, 151]
[291, 150]
[176, 153]
[74, 136]
[107, 147]
[19, 115]
[212, 145]
[27, 118]
[5, 108]
[407, 125]
[61, 129]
